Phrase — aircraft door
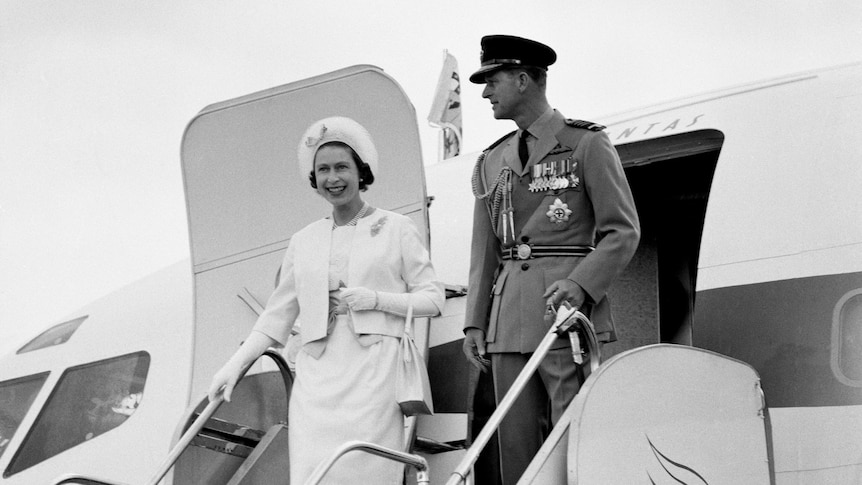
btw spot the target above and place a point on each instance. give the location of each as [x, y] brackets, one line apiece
[245, 196]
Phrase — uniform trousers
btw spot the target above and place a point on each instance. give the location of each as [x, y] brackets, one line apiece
[541, 403]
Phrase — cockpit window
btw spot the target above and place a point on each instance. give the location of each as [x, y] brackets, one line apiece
[89, 400]
[16, 397]
[56, 335]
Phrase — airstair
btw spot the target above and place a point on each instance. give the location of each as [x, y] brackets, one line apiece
[661, 413]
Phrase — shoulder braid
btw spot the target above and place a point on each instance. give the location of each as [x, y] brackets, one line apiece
[496, 190]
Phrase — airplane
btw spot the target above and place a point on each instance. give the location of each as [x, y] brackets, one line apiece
[739, 358]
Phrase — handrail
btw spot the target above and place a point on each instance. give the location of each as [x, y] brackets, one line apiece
[415, 461]
[569, 320]
[208, 412]
[76, 479]
[286, 376]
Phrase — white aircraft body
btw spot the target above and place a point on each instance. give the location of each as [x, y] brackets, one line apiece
[739, 357]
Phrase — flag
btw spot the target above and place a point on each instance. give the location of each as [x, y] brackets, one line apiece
[446, 108]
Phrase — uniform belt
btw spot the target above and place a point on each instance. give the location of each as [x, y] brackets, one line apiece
[527, 251]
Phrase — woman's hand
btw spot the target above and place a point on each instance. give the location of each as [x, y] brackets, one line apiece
[224, 381]
[226, 378]
[359, 298]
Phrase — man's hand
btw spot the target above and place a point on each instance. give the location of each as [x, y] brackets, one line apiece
[565, 290]
[474, 349]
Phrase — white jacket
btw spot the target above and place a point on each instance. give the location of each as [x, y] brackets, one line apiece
[387, 254]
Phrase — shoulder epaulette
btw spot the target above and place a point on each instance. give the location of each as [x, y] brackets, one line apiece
[588, 125]
[503, 138]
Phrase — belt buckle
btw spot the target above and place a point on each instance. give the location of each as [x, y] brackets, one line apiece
[524, 251]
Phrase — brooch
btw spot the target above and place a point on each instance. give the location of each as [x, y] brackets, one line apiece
[558, 212]
[375, 228]
[312, 141]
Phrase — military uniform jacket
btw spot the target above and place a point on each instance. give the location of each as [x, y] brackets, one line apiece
[505, 297]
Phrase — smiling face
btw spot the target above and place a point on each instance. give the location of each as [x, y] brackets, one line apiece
[337, 176]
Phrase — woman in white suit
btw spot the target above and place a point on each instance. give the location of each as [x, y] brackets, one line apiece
[349, 277]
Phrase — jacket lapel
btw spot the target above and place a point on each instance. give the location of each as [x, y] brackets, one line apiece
[315, 283]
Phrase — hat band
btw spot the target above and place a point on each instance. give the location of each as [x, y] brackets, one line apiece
[517, 62]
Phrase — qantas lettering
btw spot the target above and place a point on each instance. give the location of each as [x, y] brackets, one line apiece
[646, 129]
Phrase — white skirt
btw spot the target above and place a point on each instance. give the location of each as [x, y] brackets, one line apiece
[347, 394]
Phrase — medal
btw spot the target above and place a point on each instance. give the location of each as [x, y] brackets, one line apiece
[554, 175]
[572, 173]
[558, 212]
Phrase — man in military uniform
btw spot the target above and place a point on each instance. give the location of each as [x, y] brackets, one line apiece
[554, 221]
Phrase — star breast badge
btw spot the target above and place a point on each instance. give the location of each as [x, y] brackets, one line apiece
[558, 212]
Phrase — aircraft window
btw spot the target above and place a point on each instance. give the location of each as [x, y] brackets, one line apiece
[16, 397]
[847, 339]
[88, 401]
[56, 335]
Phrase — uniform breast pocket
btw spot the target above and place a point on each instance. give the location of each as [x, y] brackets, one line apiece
[558, 210]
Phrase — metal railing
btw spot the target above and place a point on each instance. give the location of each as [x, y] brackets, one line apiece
[416, 461]
[208, 412]
[75, 479]
[569, 321]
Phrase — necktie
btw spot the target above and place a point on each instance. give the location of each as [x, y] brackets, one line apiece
[523, 154]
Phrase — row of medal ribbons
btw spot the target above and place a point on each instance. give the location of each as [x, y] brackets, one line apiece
[553, 175]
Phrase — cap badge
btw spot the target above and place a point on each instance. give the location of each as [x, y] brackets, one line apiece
[558, 212]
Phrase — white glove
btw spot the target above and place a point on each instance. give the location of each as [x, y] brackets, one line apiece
[224, 381]
[397, 304]
[359, 298]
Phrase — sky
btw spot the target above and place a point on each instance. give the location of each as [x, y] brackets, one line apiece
[95, 95]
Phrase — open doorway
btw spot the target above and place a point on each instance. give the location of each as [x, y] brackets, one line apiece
[670, 177]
